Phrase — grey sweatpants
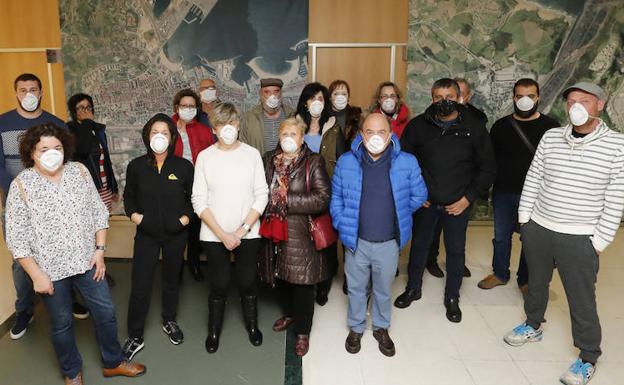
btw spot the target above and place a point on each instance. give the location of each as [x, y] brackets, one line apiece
[577, 263]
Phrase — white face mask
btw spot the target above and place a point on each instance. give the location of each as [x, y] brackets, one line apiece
[289, 145]
[272, 102]
[187, 114]
[30, 102]
[316, 108]
[578, 115]
[375, 145]
[388, 105]
[159, 143]
[228, 134]
[340, 102]
[208, 95]
[51, 160]
[525, 103]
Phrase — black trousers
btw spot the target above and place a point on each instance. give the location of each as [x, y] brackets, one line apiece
[297, 302]
[331, 253]
[245, 267]
[146, 253]
[194, 247]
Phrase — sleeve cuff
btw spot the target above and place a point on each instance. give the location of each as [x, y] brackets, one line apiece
[523, 217]
[598, 243]
[200, 209]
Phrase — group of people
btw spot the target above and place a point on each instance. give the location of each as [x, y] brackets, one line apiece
[249, 191]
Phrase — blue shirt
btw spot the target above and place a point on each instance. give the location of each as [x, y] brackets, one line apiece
[12, 125]
[313, 142]
[377, 211]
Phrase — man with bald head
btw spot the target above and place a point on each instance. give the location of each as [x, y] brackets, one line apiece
[209, 99]
[376, 188]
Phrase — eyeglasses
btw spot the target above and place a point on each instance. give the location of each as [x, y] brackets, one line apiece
[391, 96]
[84, 108]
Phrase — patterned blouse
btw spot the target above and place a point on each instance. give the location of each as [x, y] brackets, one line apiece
[55, 223]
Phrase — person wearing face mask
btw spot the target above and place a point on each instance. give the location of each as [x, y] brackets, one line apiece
[28, 113]
[347, 116]
[229, 195]
[514, 140]
[323, 136]
[157, 198]
[299, 188]
[193, 137]
[570, 210]
[465, 96]
[259, 125]
[56, 228]
[387, 100]
[209, 99]
[455, 153]
[375, 190]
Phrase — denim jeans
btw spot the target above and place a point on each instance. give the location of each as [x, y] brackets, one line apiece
[378, 260]
[505, 221]
[59, 307]
[23, 290]
[454, 227]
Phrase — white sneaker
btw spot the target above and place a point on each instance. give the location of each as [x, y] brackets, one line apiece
[522, 334]
[578, 373]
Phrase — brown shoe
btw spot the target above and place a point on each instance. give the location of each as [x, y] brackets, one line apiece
[74, 381]
[386, 346]
[524, 289]
[282, 324]
[490, 282]
[302, 345]
[352, 344]
[126, 369]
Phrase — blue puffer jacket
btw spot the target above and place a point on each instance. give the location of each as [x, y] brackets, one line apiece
[408, 190]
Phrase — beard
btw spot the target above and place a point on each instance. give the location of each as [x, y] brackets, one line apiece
[525, 114]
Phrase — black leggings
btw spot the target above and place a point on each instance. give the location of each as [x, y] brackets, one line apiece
[194, 246]
[297, 302]
[245, 267]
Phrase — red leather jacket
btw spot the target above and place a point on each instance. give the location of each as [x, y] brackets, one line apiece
[200, 137]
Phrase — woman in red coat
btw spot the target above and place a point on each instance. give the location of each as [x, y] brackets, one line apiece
[387, 100]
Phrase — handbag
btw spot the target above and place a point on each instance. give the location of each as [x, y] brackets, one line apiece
[321, 228]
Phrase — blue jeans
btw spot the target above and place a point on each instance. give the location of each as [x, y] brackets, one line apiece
[378, 260]
[505, 221]
[23, 289]
[454, 227]
[98, 299]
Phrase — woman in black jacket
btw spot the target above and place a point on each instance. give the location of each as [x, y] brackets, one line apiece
[157, 198]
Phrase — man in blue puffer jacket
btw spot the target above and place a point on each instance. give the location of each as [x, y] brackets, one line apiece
[375, 190]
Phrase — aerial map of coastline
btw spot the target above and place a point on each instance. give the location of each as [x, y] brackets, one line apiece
[132, 56]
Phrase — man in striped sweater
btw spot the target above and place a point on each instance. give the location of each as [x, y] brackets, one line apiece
[570, 210]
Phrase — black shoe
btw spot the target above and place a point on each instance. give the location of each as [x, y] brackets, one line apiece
[79, 311]
[405, 299]
[386, 346]
[22, 320]
[110, 280]
[467, 272]
[321, 297]
[131, 347]
[250, 315]
[196, 273]
[345, 289]
[435, 270]
[174, 332]
[453, 312]
[352, 344]
[216, 308]
[397, 273]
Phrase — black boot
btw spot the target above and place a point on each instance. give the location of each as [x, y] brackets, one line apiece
[322, 291]
[216, 308]
[250, 315]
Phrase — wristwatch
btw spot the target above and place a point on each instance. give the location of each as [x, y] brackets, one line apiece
[246, 227]
[98, 247]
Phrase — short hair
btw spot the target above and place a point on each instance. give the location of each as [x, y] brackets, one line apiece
[186, 92]
[308, 93]
[223, 113]
[73, 102]
[337, 83]
[375, 105]
[29, 139]
[526, 82]
[465, 81]
[446, 83]
[25, 78]
[294, 122]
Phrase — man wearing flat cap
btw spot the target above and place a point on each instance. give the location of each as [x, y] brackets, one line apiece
[570, 210]
[259, 126]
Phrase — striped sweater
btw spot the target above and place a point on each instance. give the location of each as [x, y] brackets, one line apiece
[576, 185]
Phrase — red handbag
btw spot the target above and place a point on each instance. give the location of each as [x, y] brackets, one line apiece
[321, 228]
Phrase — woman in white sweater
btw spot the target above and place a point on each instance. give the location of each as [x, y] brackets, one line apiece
[229, 194]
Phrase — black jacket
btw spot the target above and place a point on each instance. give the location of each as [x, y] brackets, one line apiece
[162, 197]
[455, 162]
[90, 136]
